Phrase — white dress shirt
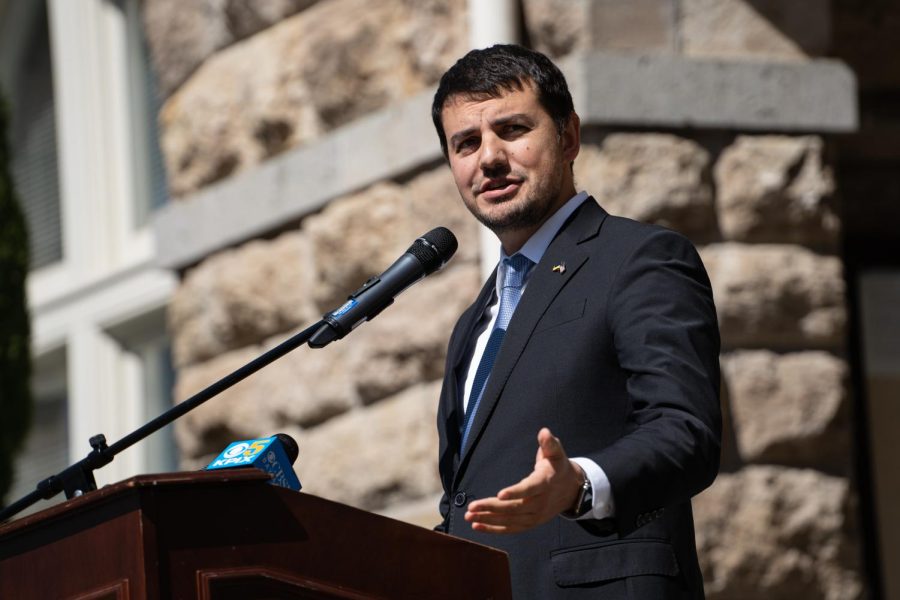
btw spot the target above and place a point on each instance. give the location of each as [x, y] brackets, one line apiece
[534, 249]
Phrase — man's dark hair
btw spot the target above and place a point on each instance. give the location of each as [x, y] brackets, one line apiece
[494, 71]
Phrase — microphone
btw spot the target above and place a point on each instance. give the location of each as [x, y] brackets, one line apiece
[426, 255]
[274, 455]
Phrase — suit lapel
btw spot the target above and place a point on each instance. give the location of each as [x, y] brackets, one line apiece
[463, 338]
[467, 328]
[543, 287]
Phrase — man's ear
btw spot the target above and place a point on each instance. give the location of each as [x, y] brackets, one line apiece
[571, 137]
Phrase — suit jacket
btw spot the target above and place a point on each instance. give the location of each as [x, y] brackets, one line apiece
[618, 356]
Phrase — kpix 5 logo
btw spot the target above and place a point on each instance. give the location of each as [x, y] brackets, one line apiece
[240, 453]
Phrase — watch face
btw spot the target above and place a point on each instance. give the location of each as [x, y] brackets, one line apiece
[587, 501]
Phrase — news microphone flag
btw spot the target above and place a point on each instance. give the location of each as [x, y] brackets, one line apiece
[267, 454]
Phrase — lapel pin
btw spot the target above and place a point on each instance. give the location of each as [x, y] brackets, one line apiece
[560, 268]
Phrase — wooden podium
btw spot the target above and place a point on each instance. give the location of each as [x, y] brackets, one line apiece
[231, 535]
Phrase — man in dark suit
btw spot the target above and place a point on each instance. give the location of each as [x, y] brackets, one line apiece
[595, 329]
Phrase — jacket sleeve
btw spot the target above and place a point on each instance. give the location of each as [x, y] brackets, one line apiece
[666, 338]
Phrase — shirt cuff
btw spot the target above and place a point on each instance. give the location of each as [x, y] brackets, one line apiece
[600, 488]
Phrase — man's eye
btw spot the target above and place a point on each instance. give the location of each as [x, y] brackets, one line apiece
[514, 129]
[466, 144]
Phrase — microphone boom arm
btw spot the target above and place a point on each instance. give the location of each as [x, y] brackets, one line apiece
[78, 478]
[426, 255]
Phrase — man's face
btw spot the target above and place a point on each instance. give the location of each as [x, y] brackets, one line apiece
[511, 165]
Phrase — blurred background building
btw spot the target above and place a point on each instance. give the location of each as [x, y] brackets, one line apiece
[203, 178]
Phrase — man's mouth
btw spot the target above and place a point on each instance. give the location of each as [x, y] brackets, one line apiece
[497, 188]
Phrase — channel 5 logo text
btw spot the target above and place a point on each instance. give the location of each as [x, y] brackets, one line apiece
[240, 453]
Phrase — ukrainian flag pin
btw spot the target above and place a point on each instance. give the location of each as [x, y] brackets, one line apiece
[560, 268]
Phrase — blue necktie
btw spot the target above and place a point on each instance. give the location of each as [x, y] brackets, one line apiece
[515, 270]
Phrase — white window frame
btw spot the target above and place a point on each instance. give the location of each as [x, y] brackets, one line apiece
[107, 276]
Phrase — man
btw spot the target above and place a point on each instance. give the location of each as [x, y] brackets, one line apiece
[595, 329]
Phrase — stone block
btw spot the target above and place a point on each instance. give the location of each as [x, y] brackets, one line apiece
[557, 27]
[242, 296]
[407, 343]
[181, 35]
[620, 89]
[560, 27]
[243, 105]
[780, 297]
[389, 50]
[790, 409]
[777, 189]
[755, 29]
[655, 178]
[778, 533]
[405, 346]
[237, 109]
[378, 456]
[209, 426]
[248, 17]
[302, 389]
[361, 235]
[636, 25]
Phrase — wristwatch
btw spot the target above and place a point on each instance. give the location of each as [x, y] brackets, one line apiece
[585, 501]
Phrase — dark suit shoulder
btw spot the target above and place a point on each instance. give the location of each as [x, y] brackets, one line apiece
[634, 233]
[622, 240]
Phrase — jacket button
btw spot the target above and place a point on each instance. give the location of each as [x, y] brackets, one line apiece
[459, 499]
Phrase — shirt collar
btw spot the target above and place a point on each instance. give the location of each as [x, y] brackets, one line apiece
[538, 243]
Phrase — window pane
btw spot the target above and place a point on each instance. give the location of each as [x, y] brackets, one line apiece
[152, 188]
[33, 146]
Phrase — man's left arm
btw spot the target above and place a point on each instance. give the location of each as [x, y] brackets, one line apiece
[666, 338]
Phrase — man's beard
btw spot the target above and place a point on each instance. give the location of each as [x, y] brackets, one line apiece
[525, 214]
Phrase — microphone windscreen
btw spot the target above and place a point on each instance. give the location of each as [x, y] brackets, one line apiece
[434, 249]
[290, 446]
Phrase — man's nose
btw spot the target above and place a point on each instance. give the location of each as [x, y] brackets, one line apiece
[493, 153]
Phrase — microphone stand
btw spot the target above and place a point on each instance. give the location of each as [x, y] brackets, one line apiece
[78, 478]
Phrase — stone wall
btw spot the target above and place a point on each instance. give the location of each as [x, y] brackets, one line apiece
[249, 99]
[231, 104]
[362, 409]
[779, 522]
[244, 84]
[734, 29]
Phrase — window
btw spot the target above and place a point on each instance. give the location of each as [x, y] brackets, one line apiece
[93, 278]
[33, 143]
[145, 345]
[151, 190]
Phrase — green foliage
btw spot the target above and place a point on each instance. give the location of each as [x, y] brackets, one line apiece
[15, 347]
